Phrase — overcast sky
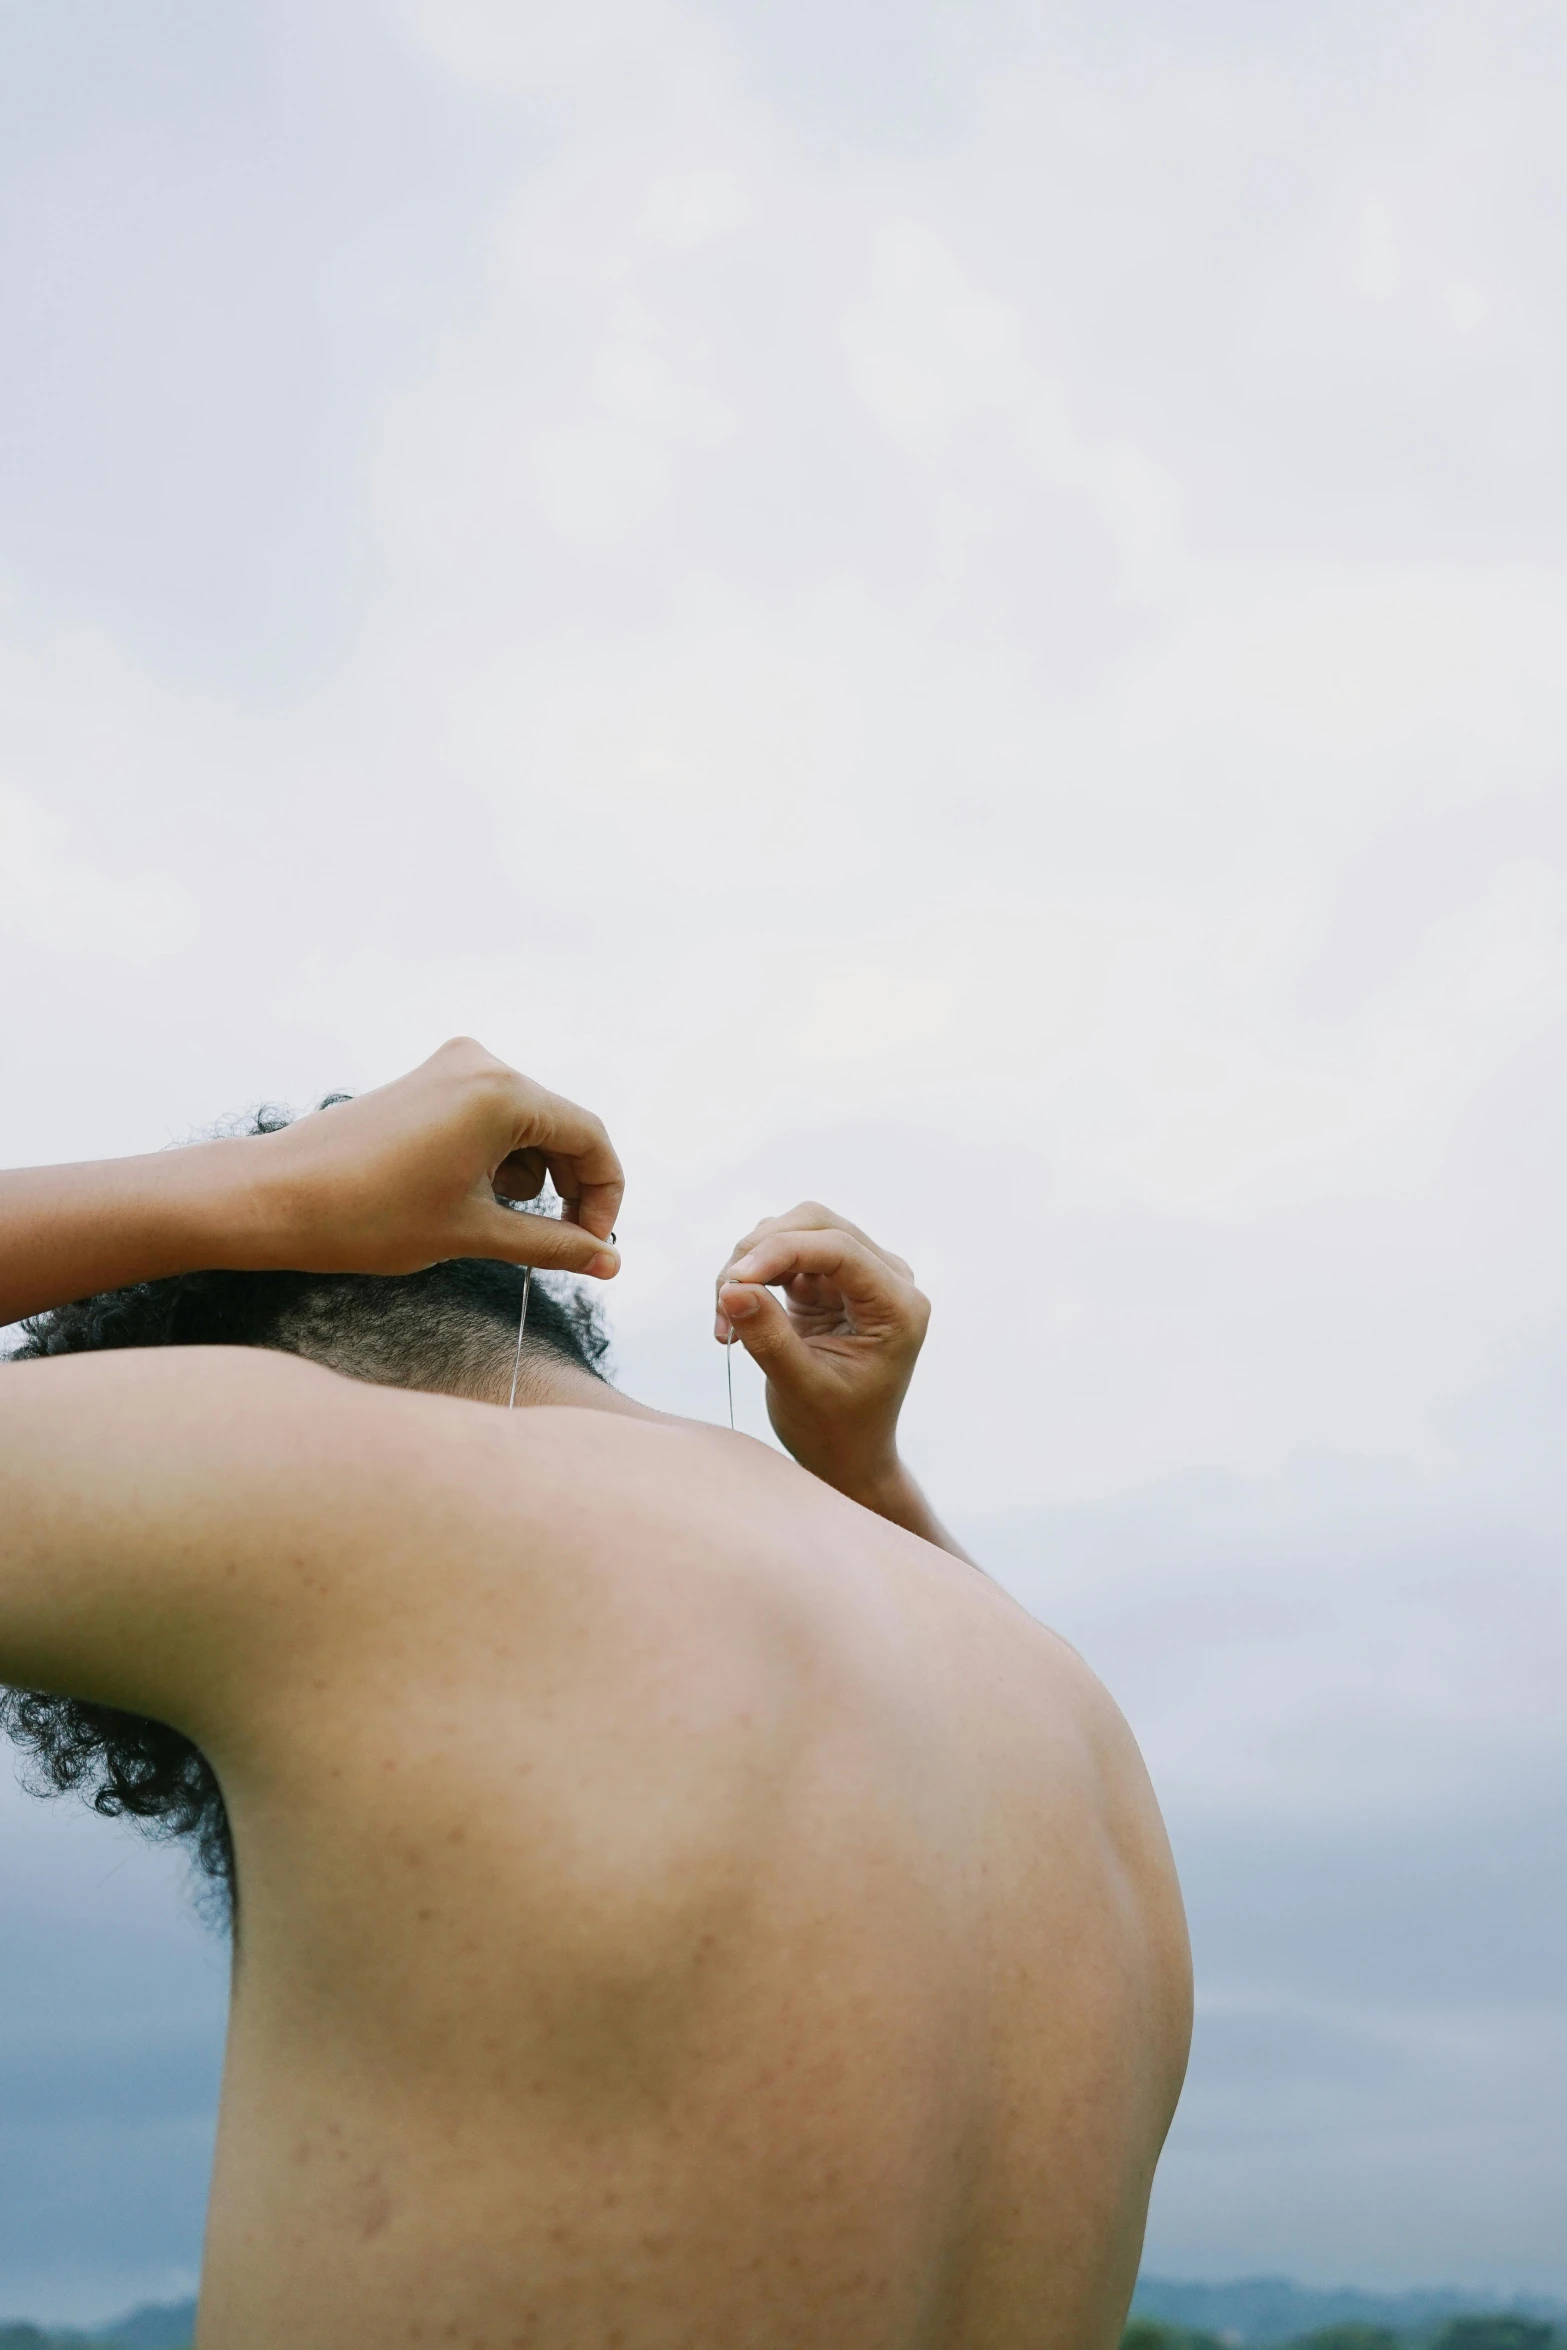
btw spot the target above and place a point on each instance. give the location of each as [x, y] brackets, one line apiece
[958, 608]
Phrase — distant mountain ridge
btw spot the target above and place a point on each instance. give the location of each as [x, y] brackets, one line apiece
[1257, 2311]
[1254, 2312]
[166, 2325]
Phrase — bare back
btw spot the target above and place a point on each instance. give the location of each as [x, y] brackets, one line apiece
[679, 1907]
[676, 1908]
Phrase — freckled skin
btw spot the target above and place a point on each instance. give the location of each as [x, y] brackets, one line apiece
[679, 1910]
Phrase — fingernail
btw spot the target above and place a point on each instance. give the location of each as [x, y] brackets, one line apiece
[743, 1303]
[604, 1265]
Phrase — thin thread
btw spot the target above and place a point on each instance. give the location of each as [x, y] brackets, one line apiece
[729, 1373]
[527, 1284]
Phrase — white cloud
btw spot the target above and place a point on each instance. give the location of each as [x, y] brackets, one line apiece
[63, 903]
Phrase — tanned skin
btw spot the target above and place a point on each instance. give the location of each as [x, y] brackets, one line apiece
[682, 1904]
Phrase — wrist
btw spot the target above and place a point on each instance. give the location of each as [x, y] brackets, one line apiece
[900, 1499]
[226, 1206]
[883, 1485]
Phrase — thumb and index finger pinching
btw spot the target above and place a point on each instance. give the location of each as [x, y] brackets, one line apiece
[552, 1136]
[746, 1311]
[551, 1244]
[580, 1239]
[851, 1265]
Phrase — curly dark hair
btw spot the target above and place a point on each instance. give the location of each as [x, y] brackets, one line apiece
[447, 1328]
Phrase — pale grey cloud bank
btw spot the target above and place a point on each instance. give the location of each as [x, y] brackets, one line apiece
[956, 608]
[1348, 1689]
[112, 2001]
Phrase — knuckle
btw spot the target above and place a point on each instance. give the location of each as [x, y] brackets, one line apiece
[469, 1052]
[486, 1077]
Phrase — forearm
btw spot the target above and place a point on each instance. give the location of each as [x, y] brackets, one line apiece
[66, 1232]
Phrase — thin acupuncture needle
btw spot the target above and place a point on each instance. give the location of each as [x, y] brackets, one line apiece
[729, 1374]
[522, 1318]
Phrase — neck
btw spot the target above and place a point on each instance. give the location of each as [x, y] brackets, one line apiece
[547, 1380]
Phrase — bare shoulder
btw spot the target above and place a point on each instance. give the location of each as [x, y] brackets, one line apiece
[157, 1504]
[280, 1431]
[116, 1447]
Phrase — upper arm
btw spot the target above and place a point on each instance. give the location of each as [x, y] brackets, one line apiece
[158, 1509]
